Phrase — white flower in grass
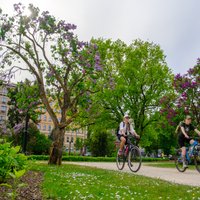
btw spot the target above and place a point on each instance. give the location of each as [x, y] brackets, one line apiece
[90, 196]
[117, 196]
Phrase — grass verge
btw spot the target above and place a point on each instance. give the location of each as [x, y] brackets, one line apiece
[79, 182]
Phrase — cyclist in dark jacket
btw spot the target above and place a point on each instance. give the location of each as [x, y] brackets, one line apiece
[184, 136]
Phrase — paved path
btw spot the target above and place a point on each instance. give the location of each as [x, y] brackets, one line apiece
[190, 177]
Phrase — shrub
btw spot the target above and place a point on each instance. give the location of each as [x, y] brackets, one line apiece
[11, 161]
[101, 143]
[90, 159]
[37, 143]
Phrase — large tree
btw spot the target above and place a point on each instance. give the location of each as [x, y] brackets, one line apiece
[135, 77]
[65, 69]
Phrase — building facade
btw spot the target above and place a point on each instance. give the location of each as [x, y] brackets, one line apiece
[4, 103]
[46, 125]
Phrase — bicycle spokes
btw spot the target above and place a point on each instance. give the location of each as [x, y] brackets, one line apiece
[179, 161]
[197, 159]
[134, 159]
[120, 160]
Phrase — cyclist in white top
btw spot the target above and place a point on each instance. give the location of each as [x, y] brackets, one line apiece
[125, 128]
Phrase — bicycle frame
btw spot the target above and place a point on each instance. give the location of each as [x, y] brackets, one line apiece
[188, 153]
[130, 144]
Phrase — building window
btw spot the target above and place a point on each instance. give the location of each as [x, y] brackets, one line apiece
[49, 128]
[45, 118]
[2, 118]
[67, 139]
[44, 128]
[50, 120]
[4, 91]
[3, 108]
[4, 100]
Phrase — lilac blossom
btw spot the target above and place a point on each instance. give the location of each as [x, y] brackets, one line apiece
[18, 127]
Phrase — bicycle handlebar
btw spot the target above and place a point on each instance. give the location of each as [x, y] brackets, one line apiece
[131, 136]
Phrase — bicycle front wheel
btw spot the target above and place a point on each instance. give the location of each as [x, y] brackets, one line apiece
[197, 158]
[178, 161]
[120, 160]
[134, 159]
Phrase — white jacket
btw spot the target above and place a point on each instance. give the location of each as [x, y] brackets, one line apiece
[124, 127]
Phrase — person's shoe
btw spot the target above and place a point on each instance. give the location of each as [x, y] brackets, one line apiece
[185, 165]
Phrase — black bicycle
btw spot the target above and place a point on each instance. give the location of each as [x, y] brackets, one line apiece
[130, 153]
[192, 155]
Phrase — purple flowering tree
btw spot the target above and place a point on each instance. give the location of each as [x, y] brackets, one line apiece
[186, 98]
[65, 69]
[23, 100]
[23, 107]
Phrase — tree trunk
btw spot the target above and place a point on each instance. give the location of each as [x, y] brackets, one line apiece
[57, 146]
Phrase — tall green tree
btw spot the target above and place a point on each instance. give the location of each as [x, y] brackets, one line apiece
[135, 77]
[64, 68]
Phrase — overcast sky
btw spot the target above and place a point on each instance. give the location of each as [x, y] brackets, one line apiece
[174, 24]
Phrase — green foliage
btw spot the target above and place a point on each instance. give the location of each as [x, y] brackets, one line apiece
[101, 143]
[24, 99]
[13, 164]
[37, 143]
[134, 79]
[80, 144]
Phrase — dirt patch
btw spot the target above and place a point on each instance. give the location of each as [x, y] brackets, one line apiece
[30, 191]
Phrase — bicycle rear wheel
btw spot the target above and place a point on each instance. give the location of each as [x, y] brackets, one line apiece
[134, 159]
[197, 157]
[178, 161]
[120, 160]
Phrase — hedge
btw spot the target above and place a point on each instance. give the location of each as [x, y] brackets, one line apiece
[91, 159]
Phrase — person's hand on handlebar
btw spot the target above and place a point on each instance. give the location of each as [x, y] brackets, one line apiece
[186, 136]
[137, 136]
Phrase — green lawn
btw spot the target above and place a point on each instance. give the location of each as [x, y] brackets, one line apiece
[166, 165]
[78, 182]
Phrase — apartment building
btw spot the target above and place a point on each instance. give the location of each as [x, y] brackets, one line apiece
[46, 125]
[4, 103]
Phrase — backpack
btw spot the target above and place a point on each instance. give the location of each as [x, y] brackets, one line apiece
[117, 131]
[178, 128]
